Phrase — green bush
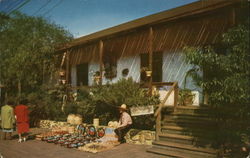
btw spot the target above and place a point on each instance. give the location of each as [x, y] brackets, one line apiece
[46, 103]
[225, 79]
[103, 102]
[97, 102]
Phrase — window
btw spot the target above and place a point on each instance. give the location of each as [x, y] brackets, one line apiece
[110, 66]
[156, 67]
[82, 74]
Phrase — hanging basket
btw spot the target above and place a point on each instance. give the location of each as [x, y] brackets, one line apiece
[148, 73]
[97, 79]
[62, 73]
[63, 81]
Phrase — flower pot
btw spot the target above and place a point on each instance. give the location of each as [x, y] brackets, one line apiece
[148, 73]
[63, 81]
[97, 79]
[62, 73]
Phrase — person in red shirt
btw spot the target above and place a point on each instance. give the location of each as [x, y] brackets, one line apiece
[125, 123]
[22, 120]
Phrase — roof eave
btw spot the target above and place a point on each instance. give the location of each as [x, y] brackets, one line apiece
[169, 15]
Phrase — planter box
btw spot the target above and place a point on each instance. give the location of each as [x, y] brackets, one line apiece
[142, 110]
[170, 101]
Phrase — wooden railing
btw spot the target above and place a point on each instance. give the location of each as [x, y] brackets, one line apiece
[174, 87]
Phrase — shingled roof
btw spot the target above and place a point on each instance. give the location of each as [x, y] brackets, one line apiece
[154, 19]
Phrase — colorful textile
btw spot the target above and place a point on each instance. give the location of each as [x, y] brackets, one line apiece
[7, 117]
[22, 116]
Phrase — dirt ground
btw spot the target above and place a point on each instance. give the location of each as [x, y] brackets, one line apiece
[39, 149]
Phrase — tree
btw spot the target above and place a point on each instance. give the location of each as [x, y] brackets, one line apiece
[226, 72]
[27, 51]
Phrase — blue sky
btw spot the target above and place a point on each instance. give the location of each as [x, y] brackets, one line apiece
[82, 17]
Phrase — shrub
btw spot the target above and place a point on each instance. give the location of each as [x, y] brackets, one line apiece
[102, 102]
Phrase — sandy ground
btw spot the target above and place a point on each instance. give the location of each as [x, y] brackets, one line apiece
[39, 149]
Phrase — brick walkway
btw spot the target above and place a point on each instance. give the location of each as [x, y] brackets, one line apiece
[39, 149]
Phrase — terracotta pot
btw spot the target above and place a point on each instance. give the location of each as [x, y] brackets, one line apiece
[62, 73]
[148, 73]
[63, 81]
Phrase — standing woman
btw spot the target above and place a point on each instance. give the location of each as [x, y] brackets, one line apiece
[8, 119]
[22, 119]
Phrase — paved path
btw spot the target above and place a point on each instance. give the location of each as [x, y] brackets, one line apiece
[39, 149]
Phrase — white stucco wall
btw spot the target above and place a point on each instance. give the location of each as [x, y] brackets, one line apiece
[174, 69]
[130, 63]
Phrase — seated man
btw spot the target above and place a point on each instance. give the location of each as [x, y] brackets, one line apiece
[125, 123]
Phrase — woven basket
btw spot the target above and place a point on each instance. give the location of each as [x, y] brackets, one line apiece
[71, 118]
[78, 119]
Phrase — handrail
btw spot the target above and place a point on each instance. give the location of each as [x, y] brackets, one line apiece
[158, 111]
[165, 99]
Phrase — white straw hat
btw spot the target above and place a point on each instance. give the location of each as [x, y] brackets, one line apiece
[123, 107]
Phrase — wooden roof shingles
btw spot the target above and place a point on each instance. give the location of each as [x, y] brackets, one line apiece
[190, 25]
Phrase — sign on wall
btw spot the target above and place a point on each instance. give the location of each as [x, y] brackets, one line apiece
[142, 110]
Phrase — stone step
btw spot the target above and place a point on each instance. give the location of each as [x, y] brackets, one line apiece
[173, 153]
[188, 116]
[181, 130]
[193, 110]
[167, 153]
[189, 123]
[175, 130]
[176, 138]
[187, 148]
[192, 139]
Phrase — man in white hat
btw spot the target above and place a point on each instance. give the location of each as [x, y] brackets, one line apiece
[125, 123]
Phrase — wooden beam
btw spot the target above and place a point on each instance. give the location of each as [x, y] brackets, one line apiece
[176, 95]
[101, 60]
[67, 66]
[233, 17]
[150, 58]
[165, 99]
[158, 126]
[165, 16]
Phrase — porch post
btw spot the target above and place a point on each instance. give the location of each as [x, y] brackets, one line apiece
[67, 67]
[150, 54]
[100, 60]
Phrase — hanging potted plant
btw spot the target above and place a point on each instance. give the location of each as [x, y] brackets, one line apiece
[62, 72]
[147, 71]
[63, 81]
[97, 77]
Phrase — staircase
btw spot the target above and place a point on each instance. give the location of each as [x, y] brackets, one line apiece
[185, 132]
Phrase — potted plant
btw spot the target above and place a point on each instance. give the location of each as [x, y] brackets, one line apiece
[186, 97]
[63, 81]
[97, 77]
[62, 72]
[147, 71]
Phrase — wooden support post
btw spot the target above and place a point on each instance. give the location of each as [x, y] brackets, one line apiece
[158, 126]
[19, 86]
[100, 60]
[150, 57]
[233, 17]
[67, 67]
[205, 98]
[176, 94]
